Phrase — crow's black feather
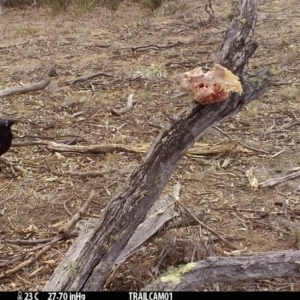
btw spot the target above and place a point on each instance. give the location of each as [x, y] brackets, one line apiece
[5, 135]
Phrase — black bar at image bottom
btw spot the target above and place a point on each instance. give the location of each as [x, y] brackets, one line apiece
[90, 295]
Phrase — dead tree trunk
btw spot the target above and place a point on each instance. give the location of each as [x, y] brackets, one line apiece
[96, 258]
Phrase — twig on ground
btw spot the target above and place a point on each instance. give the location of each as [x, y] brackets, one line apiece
[78, 215]
[65, 207]
[232, 246]
[91, 76]
[32, 259]
[273, 181]
[152, 46]
[209, 10]
[15, 45]
[254, 149]
[29, 242]
[284, 127]
[87, 174]
[25, 89]
[223, 132]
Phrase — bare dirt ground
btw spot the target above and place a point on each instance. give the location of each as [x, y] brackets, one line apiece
[49, 187]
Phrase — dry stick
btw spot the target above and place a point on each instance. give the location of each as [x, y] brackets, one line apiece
[198, 148]
[29, 242]
[254, 149]
[44, 143]
[65, 207]
[127, 108]
[62, 231]
[242, 144]
[240, 209]
[4, 263]
[79, 214]
[232, 246]
[89, 109]
[32, 259]
[25, 89]
[91, 76]
[284, 127]
[62, 236]
[223, 132]
[273, 181]
[280, 83]
[15, 45]
[43, 137]
[152, 46]
[106, 148]
[86, 174]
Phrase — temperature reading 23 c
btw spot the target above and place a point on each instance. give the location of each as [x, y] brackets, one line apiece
[28, 296]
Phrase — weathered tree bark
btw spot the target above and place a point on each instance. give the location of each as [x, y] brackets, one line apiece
[25, 89]
[230, 269]
[97, 257]
[163, 216]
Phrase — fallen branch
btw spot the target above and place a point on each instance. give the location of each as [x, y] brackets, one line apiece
[207, 227]
[33, 258]
[15, 45]
[79, 214]
[90, 76]
[229, 269]
[151, 46]
[29, 242]
[273, 181]
[25, 89]
[86, 174]
[197, 149]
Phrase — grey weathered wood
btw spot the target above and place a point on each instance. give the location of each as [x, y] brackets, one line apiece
[98, 255]
[25, 89]
[230, 269]
[163, 216]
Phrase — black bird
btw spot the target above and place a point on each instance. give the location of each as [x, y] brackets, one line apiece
[5, 135]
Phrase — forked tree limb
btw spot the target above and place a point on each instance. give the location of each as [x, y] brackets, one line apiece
[96, 258]
[230, 269]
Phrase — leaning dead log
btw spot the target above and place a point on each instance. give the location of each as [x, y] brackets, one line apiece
[96, 258]
[163, 216]
[229, 269]
[25, 89]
